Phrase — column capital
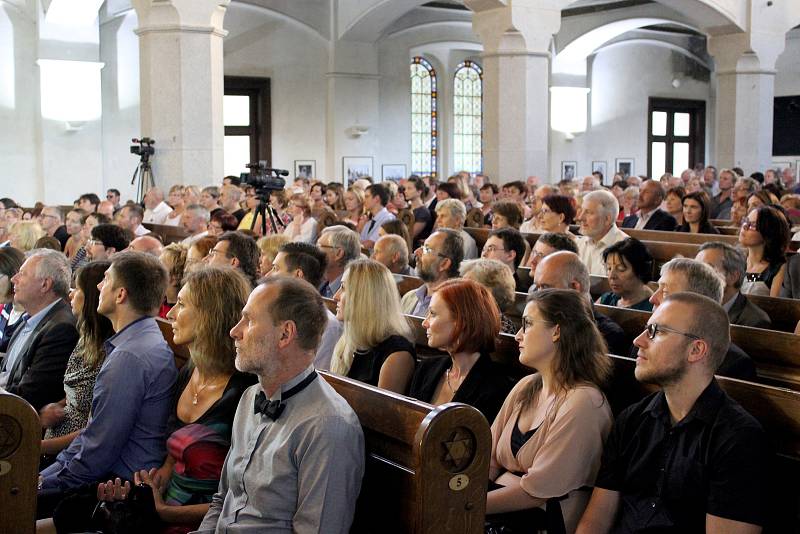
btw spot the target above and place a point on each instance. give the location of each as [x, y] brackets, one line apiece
[181, 15]
[516, 26]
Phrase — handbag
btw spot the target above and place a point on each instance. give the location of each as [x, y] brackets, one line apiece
[136, 514]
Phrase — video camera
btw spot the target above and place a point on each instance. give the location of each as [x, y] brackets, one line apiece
[144, 147]
[264, 178]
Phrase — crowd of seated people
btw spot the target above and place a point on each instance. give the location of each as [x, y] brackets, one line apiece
[247, 302]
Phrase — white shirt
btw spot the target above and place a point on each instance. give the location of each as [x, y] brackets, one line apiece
[591, 252]
[140, 231]
[642, 218]
[158, 214]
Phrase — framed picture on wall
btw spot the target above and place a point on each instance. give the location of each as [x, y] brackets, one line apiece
[394, 172]
[569, 170]
[305, 168]
[624, 166]
[601, 167]
[354, 168]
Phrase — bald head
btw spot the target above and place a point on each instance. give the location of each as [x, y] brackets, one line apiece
[146, 244]
[562, 270]
[106, 207]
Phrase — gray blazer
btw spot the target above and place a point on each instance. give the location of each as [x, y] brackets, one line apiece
[791, 281]
[745, 313]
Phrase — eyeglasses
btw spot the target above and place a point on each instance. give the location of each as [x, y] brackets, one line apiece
[493, 248]
[654, 328]
[109, 197]
[428, 250]
[748, 225]
[94, 242]
[213, 253]
[539, 287]
[527, 322]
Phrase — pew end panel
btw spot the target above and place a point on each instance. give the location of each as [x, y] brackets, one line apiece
[20, 442]
[427, 468]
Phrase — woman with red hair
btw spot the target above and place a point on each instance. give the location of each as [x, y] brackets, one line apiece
[463, 320]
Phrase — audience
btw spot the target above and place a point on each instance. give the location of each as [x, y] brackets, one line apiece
[310, 439]
[722, 203]
[415, 192]
[506, 214]
[106, 240]
[88, 202]
[392, 251]
[303, 227]
[209, 199]
[73, 226]
[11, 260]
[696, 214]
[341, 246]
[222, 222]
[236, 250]
[463, 320]
[556, 214]
[564, 270]
[175, 199]
[597, 220]
[23, 235]
[334, 196]
[376, 197]
[308, 262]
[375, 348]
[438, 260]
[173, 258]
[628, 267]
[156, 210]
[547, 244]
[196, 253]
[39, 349]
[496, 277]
[268, 247]
[132, 393]
[765, 234]
[195, 221]
[791, 281]
[650, 216]
[507, 246]
[63, 420]
[686, 275]
[130, 218]
[354, 205]
[687, 458]
[52, 222]
[731, 264]
[147, 244]
[673, 204]
[398, 228]
[547, 440]
[230, 197]
[451, 213]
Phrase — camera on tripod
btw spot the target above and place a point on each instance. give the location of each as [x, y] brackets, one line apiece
[143, 148]
[264, 178]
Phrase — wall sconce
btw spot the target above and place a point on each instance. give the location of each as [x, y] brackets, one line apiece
[568, 110]
[357, 131]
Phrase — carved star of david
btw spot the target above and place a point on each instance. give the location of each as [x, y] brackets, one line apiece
[459, 448]
[10, 435]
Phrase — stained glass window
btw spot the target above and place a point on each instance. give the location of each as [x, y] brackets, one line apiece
[424, 135]
[467, 118]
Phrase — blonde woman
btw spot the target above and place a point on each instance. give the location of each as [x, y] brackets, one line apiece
[173, 258]
[498, 279]
[268, 246]
[303, 227]
[24, 234]
[191, 195]
[375, 348]
[354, 204]
[176, 201]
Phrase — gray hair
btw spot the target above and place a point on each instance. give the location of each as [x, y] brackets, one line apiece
[199, 211]
[606, 201]
[54, 265]
[733, 260]
[344, 238]
[701, 278]
[576, 270]
[454, 206]
[397, 245]
[56, 212]
[494, 276]
[752, 185]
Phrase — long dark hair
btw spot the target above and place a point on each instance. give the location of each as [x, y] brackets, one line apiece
[11, 260]
[701, 197]
[582, 351]
[94, 329]
[774, 230]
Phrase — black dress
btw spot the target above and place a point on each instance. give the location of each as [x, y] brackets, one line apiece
[367, 364]
[486, 386]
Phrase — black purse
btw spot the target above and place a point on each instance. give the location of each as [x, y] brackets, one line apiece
[136, 514]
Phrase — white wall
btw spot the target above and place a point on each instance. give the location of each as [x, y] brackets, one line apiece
[623, 78]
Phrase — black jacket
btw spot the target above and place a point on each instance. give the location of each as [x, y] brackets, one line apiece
[659, 220]
[38, 373]
[486, 386]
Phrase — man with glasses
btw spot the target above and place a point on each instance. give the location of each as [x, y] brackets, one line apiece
[113, 196]
[52, 221]
[438, 260]
[686, 275]
[237, 250]
[105, 241]
[687, 458]
[341, 246]
[507, 246]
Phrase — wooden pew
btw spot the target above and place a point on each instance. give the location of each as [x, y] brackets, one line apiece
[427, 467]
[168, 234]
[20, 441]
[680, 237]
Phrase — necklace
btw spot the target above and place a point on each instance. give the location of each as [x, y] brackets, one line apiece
[199, 389]
[447, 379]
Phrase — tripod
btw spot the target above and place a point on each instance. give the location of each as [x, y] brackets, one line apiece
[144, 172]
[262, 209]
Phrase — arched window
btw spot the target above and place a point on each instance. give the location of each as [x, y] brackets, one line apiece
[467, 118]
[424, 136]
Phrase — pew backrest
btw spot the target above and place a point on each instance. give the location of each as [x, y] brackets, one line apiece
[169, 234]
[20, 441]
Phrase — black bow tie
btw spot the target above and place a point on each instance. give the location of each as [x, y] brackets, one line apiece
[274, 408]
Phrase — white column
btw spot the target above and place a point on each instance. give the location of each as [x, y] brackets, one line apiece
[182, 85]
[516, 65]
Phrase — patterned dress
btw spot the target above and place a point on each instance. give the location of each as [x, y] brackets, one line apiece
[78, 385]
[199, 448]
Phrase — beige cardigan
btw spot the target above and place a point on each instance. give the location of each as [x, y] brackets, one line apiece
[564, 454]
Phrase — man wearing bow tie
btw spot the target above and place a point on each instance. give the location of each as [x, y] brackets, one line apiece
[297, 449]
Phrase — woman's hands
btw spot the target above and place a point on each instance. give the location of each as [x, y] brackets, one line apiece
[116, 490]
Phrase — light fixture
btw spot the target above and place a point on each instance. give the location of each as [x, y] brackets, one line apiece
[357, 130]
